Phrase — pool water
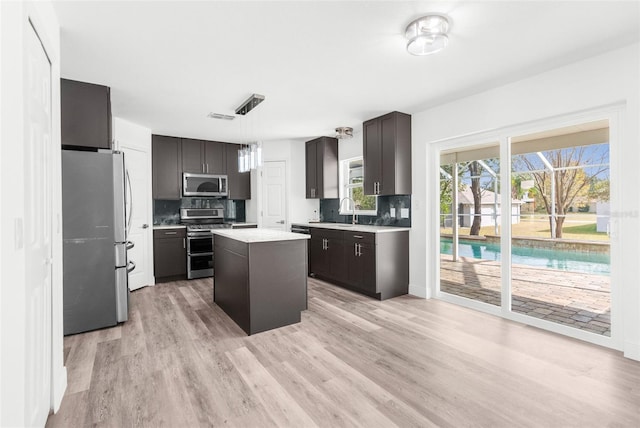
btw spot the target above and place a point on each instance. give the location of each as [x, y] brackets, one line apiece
[570, 261]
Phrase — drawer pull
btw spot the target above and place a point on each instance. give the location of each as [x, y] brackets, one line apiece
[358, 236]
[171, 233]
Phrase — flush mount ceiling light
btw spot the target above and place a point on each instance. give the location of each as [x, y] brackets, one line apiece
[251, 103]
[344, 132]
[427, 35]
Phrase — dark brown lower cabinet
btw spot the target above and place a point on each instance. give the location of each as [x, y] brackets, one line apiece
[169, 254]
[375, 264]
[361, 266]
[327, 253]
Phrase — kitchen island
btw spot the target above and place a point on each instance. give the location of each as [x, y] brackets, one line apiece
[260, 277]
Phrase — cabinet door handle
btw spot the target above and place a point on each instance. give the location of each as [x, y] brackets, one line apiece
[355, 250]
[184, 242]
[359, 249]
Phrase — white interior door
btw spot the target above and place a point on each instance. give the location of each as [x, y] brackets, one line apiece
[135, 142]
[37, 229]
[274, 187]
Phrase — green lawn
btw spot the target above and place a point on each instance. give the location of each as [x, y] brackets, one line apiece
[577, 226]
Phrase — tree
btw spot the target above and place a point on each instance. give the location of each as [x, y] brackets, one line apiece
[571, 178]
[474, 171]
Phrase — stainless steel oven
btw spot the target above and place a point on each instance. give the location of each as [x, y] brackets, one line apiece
[199, 253]
[200, 222]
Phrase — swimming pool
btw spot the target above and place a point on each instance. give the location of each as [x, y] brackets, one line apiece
[570, 261]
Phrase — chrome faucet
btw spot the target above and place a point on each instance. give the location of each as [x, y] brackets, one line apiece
[353, 205]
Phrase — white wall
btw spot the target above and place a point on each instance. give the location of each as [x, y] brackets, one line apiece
[14, 19]
[350, 148]
[299, 209]
[129, 136]
[599, 81]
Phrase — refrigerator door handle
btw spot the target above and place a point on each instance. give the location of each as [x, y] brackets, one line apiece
[130, 245]
[131, 266]
[130, 193]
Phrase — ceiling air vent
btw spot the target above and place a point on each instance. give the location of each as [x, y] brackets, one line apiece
[221, 116]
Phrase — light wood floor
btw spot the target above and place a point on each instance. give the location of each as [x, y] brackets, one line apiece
[352, 361]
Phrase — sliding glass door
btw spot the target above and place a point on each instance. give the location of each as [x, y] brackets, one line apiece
[470, 224]
[532, 246]
[560, 262]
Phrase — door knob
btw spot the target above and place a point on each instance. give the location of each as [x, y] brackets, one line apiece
[145, 226]
[280, 222]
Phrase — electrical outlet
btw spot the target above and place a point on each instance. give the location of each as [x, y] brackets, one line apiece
[392, 212]
[404, 212]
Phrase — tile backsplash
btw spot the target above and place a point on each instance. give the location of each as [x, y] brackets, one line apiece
[391, 210]
[168, 211]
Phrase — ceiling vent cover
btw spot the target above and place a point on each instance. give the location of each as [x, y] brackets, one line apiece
[221, 116]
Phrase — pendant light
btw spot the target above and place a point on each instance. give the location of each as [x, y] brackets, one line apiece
[250, 154]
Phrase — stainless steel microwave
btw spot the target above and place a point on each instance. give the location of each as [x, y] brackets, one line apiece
[204, 185]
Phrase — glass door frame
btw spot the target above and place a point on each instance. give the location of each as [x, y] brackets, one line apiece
[503, 137]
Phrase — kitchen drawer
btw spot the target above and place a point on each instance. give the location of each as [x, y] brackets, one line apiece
[178, 232]
[369, 238]
[326, 233]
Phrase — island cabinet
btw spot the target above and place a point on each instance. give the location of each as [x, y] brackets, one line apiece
[166, 155]
[261, 277]
[85, 116]
[239, 182]
[387, 154]
[375, 264]
[203, 157]
[169, 254]
[321, 157]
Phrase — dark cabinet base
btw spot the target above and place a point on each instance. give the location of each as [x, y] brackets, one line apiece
[376, 266]
[262, 285]
[169, 255]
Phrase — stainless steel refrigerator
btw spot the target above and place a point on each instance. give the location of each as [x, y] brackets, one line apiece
[95, 265]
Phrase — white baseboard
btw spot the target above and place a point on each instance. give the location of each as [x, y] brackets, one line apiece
[632, 351]
[59, 387]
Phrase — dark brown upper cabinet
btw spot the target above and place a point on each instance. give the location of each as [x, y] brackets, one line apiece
[203, 157]
[85, 114]
[239, 183]
[166, 155]
[321, 168]
[387, 154]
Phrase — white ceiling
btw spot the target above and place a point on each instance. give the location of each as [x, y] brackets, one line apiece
[320, 64]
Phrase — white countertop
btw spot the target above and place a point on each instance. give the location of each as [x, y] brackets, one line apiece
[259, 235]
[356, 227]
[169, 226]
